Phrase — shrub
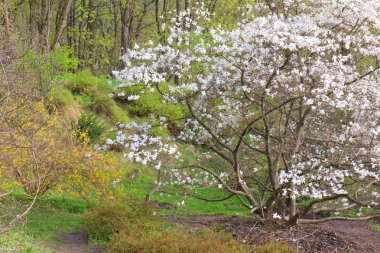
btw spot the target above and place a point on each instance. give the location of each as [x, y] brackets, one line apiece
[82, 83]
[102, 104]
[104, 220]
[166, 241]
[89, 124]
[61, 97]
[62, 59]
[109, 218]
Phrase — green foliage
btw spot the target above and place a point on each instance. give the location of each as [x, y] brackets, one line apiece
[89, 124]
[82, 83]
[61, 97]
[103, 221]
[39, 70]
[375, 229]
[63, 59]
[304, 202]
[102, 103]
[274, 247]
[151, 103]
[94, 94]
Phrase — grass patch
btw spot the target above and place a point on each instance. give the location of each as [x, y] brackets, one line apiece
[22, 242]
[140, 185]
[44, 223]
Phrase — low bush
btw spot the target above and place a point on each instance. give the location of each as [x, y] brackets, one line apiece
[107, 219]
[89, 124]
[82, 83]
[167, 241]
[63, 59]
[104, 220]
[61, 97]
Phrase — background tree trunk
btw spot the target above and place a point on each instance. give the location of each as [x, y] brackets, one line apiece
[126, 24]
[62, 18]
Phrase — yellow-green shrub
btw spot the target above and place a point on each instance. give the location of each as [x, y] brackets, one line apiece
[109, 218]
[61, 97]
[166, 241]
[103, 221]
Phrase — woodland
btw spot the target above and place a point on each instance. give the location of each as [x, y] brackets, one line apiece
[170, 126]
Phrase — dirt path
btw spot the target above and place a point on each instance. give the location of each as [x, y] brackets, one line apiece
[74, 242]
[358, 230]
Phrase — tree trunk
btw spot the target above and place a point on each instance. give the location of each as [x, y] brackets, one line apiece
[91, 43]
[143, 14]
[61, 23]
[44, 27]
[11, 50]
[126, 23]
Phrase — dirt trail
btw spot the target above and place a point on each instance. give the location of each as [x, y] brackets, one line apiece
[358, 230]
[74, 242]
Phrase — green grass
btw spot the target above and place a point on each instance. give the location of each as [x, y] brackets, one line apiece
[43, 224]
[138, 187]
[20, 241]
[375, 229]
[55, 200]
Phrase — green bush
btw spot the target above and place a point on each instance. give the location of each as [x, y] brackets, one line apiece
[63, 59]
[102, 103]
[61, 97]
[151, 103]
[88, 123]
[82, 83]
[105, 220]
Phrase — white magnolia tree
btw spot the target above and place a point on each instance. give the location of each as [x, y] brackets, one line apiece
[287, 102]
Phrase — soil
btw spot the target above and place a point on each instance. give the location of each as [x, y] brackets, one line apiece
[327, 237]
[74, 242]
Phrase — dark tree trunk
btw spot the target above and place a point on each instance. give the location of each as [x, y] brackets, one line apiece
[126, 23]
[62, 17]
